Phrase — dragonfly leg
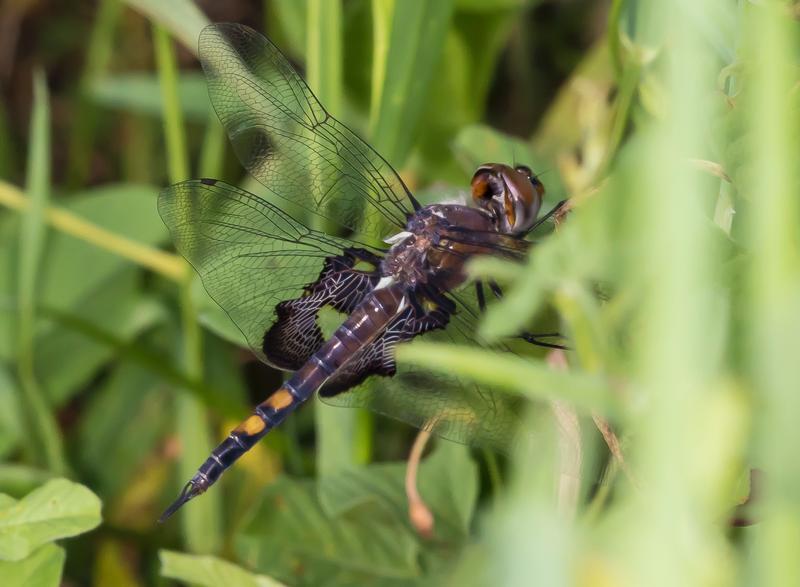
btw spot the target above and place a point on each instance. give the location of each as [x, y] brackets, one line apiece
[480, 296]
[438, 298]
[526, 336]
[547, 216]
[536, 339]
[498, 293]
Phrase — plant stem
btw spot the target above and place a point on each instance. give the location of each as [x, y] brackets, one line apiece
[47, 442]
[168, 265]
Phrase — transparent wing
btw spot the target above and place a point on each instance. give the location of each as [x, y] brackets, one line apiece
[250, 255]
[447, 405]
[286, 140]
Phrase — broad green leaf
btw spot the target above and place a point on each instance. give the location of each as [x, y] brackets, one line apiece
[416, 37]
[92, 283]
[73, 268]
[209, 571]
[182, 18]
[447, 482]
[459, 89]
[290, 537]
[42, 568]
[126, 418]
[117, 306]
[58, 509]
[146, 353]
[139, 93]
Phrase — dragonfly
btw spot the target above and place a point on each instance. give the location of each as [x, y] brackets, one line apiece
[274, 275]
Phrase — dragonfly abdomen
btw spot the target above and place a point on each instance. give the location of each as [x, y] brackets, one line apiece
[366, 323]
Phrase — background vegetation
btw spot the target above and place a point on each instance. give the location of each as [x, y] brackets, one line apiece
[672, 126]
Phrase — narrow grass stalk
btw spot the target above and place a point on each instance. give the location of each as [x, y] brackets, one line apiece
[98, 56]
[774, 286]
[212, 154]
[512, 373]
[201, 523]
[46, 438]
[382, 11]
[628, 86]
[674, 363]
[165, 264]
[615, 36]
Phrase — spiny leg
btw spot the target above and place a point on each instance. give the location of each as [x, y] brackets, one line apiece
[547, 216]
[526, 336]
[481, 297]
[534, 339]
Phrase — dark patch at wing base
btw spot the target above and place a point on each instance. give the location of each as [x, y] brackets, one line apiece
[296, 335]
[249, 253]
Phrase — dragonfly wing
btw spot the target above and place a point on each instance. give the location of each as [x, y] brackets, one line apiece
[288, 141]
[251, 256]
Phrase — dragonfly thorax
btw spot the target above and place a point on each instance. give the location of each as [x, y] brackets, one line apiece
[429, 249]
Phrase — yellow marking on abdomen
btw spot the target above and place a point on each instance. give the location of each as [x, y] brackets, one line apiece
[279, 400]
[253, 425]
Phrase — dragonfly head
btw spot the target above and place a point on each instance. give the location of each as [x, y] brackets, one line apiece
[513, 195]
[191, 490]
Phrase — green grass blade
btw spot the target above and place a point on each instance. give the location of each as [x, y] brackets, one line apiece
[324, 52]
[166, 264]
[212, 155]
[46, 438]
[98, 56]
[175, 136]
[182, 18]
[690, 425]
[201, 523]
[512, 373]
[773, 283]
[402, 68]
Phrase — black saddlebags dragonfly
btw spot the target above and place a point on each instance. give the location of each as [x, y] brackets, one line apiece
[273, 275]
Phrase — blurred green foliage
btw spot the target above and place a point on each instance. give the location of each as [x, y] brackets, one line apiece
[672, 127]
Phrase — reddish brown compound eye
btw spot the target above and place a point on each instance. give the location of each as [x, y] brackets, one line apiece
[481, 188]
